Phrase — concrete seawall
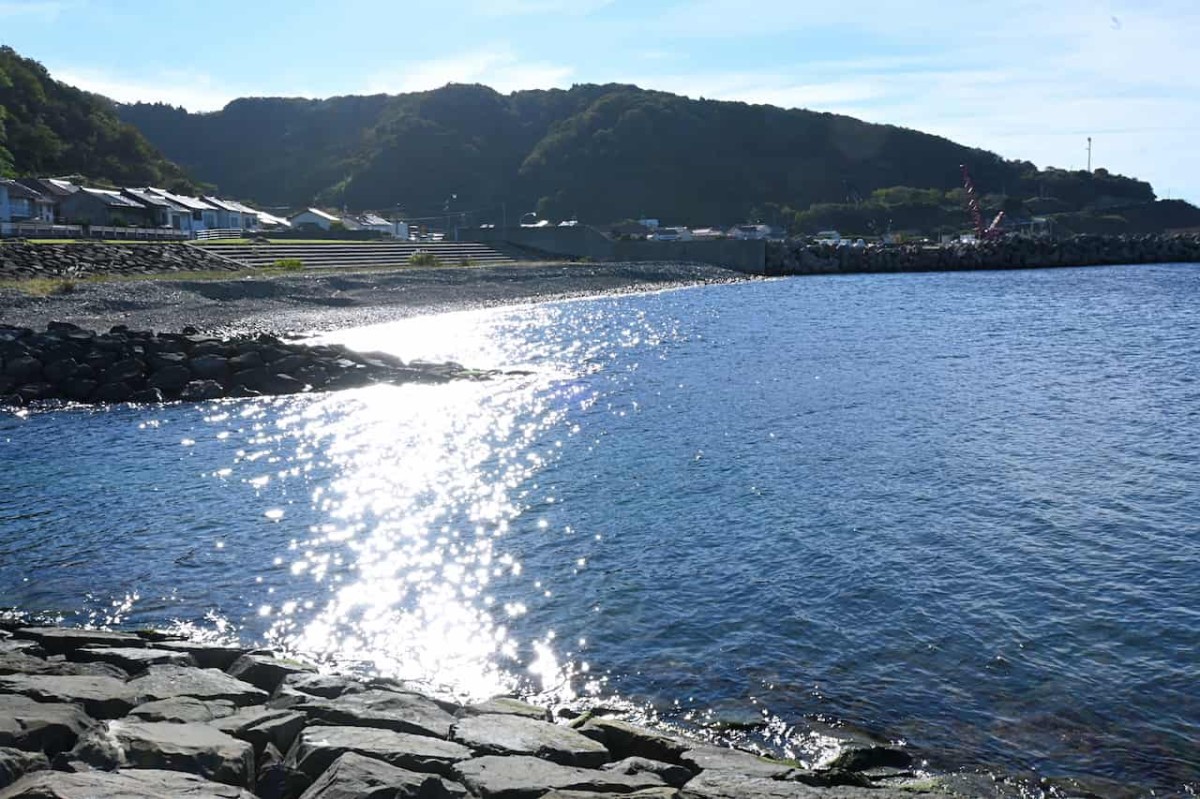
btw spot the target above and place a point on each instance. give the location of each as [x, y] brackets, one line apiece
[799, 258]
[585, 242]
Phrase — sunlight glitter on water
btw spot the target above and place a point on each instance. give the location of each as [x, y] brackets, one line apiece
[425, 481]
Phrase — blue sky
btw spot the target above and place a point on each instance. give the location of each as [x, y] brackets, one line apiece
[1029, 80]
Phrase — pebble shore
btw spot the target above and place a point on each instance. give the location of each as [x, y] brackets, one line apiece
[108, 715]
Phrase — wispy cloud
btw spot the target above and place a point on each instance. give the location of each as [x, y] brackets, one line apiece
[195, 92]
[516, 8]
[46, 9]
[498, 67]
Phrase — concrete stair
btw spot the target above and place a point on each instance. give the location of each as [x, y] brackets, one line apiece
[361, 255]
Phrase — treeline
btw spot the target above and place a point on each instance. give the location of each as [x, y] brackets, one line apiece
[603, 153]
[48, 128]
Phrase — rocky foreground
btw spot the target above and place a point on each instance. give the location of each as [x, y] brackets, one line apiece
[108, 715]
[67, 362]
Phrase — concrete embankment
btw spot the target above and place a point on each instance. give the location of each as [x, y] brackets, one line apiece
[67, 362]
[20, 260]
[88, 713]
[801, 258]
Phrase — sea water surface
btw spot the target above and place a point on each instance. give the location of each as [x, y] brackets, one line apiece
[958, 510]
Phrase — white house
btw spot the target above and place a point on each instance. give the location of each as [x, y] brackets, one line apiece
[376, 223]
[271, 221]
[250, 217]
[671, 234]
[228, 216]
[750, 232]
[313, 217]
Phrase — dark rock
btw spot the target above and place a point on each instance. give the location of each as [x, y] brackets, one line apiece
[645, 793]
[162, 359]
[863, 757]
[132, 784]
[112, 393]
[670, 773]
[718, 758]
[170, 379]
[201, 390]
[166, 682]
[352, 776]
[628, 740]
[317, 747]
[723, 784]
[209, 367]
[79, 389]
[266, 381]
[183, 709]
[60, 370]
[41, 726]
[132, 659]
[522, 777]
[193, 748]
[260, 726]
[275, 780]
[16, 662]
[23, 368]
[147, 396]
[100, 697]
[506, 705]
[325, 686]
[383, 710]
[14, 763]
[266, 672]
[124, 371]
[207, 656]
[517, 735]
[247, 360]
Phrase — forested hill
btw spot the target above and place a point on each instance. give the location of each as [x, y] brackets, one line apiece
[598, 153]
[48, 128]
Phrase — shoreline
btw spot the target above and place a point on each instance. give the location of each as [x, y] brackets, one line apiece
[307, 303]
[155, 714]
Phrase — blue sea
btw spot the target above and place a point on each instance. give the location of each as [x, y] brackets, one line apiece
[960, 511]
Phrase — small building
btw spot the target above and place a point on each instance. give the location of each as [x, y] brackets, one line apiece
[314, 218]
[203, 215]
[708, 233]
[376, 223]
[229, 216]
[105, 208]
[20, 203]
[750, 232]
[52, 189]
[250, 217]
[271, 222]
[164, 212]
[671, 234]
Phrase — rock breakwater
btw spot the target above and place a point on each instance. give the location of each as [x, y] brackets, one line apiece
[801, 258]
[67, 362]
[102, 714]
[21, 260]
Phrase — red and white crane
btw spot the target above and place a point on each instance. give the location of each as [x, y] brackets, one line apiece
[992, 231]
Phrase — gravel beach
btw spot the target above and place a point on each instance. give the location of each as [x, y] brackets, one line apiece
[302, 303]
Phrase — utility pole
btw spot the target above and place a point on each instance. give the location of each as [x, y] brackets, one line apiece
[1089, 155]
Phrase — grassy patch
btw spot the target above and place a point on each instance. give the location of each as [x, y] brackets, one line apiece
[46, 286]
[289, 265]
[422, 258]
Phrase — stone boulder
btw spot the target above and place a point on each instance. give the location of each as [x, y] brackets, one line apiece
[100, 697]
[518, 735]
[523, 777]
[192, 748]
[132, 784]
[317, 747]
[671, 774]
[167, 682]
[352, 776]
[260, 726]
[132, 660]
[628, 740]
[207, 656]
[266, 672]
[41, 726]
[507, 705]
[386, 710]
[14, 764]
[61, 640]
[183, 709]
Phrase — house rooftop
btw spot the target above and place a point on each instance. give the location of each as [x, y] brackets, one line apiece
[222, 205]
[191, 203]
[373, 219]
[320, 213]
[147, 197]
[245, 209]
[21, 192]
[113, 199]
